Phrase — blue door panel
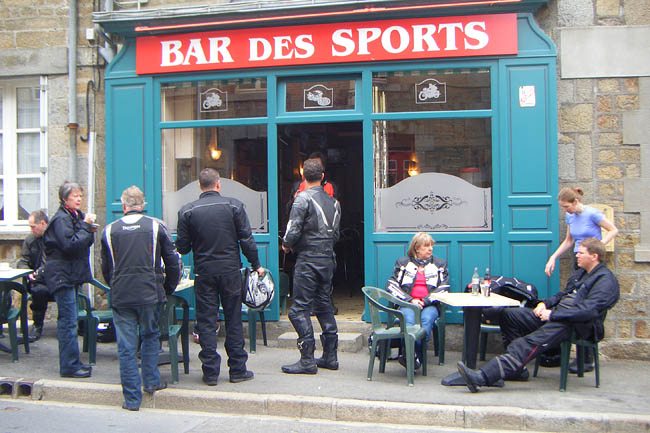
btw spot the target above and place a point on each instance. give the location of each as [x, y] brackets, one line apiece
[127, 135]
[528, 259]
[474, 255]
[386, 254]
[530, 217]
[529, 162]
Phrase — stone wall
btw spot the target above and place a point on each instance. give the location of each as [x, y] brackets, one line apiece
[34, 42]
[595, 155]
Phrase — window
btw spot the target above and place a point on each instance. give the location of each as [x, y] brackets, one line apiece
[23, 150]
[219, 99]
[433, 90]
[320, 95]
[433, 175]
[238, 153]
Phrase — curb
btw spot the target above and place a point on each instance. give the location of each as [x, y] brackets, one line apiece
[349, 410]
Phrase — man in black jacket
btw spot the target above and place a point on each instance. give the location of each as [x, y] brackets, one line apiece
[33, 257]
[590, 291]
[312, 231]
[214, 228]
[132, 249]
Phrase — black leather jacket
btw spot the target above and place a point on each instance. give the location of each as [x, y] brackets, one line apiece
[313, 226]
[595, 293]
[67, 243]
[33, 257]
[133, 250]
[402, 280]
[214, 227]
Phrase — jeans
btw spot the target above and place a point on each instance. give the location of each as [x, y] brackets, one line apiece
[210, 290]
[127, 320]
[66, 330]
[428, 317]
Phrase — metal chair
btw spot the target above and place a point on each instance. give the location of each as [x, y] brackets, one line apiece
[381, 334]
[9, 315]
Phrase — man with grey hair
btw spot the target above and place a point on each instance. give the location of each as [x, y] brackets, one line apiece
[132, 249]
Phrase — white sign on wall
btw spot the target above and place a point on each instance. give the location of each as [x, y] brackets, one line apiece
[526, 96]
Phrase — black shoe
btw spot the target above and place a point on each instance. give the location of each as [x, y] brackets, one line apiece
[160, 386]
[243, 377]
[473, 379]
[573, 367]
[522, 377]
[132, 409]
[210, 382]
[301, 367]
[79, 374]
[402, 362]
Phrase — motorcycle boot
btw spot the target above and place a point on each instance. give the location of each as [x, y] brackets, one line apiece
[306, 364]
[329, 360]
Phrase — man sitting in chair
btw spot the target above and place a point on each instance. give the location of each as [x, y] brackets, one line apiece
[591, 290]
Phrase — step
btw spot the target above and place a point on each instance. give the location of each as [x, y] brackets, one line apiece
[276, 328]
[348, 341]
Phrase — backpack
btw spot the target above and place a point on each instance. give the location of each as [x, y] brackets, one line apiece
[257, 293]
[515, 289]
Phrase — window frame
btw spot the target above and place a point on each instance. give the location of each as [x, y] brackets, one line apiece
[10, 132]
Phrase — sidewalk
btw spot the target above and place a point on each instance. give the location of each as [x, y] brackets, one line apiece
[621, 404]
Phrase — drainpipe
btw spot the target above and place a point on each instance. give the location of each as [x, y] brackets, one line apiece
[72, 87]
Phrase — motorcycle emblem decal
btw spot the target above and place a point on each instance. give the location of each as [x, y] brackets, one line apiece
[318, 96]
[430, 91]
[213, 100]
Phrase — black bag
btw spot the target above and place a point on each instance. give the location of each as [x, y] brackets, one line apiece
[515, 288]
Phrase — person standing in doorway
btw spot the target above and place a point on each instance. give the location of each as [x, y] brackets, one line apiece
[133, 251]
[214, 228]
[67, 241]
[33, 257]
[312, 231]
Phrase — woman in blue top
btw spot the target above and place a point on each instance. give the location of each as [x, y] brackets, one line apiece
[582, 222]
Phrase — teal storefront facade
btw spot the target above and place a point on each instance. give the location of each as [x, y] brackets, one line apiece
[478, 170]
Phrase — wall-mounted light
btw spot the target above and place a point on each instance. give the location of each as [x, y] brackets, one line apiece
[412, 169]
[213, 146]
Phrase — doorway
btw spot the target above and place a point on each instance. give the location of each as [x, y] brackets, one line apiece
[340, 144]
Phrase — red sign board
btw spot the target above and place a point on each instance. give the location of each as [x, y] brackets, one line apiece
[418, 38]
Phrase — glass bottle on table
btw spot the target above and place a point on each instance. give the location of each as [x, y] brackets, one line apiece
[485, 284]
[475, 282]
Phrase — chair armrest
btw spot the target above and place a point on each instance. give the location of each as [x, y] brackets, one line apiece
[83, 302]
[394, 312]
[103, 287]
[403, 304]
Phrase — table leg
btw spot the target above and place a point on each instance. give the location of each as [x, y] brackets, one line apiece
[24, 325]
[471, 331]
